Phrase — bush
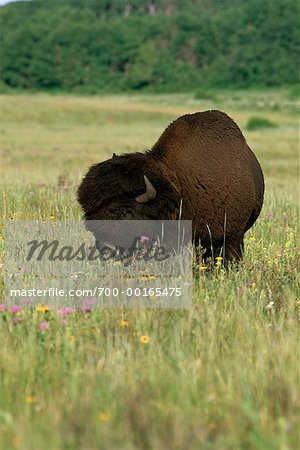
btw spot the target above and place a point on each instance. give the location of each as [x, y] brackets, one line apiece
[205, 94]
[294, 93]
[256, 123]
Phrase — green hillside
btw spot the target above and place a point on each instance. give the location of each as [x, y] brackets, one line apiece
[158, 45]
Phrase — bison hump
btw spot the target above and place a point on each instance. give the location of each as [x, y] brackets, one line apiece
[199, 129]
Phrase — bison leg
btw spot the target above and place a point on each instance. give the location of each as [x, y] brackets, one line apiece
[234, 250]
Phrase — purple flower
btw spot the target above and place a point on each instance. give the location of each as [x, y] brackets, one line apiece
[44, 326]
[15, 308]
[86, 309]
[248, 284]
[2, 307]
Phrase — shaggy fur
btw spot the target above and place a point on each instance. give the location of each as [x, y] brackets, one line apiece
[201, 168]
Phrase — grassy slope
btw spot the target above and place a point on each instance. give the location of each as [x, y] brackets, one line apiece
[224, 374]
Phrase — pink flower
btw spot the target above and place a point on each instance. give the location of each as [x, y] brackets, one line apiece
[15, 308]
[144, 239]
[269, 215]
[44, 326]
[2, 307]
[66, 311]
[26, 300]
[248, 284]
[90, 301]
[86, 309]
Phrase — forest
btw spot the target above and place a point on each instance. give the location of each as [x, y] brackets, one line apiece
[95, 46]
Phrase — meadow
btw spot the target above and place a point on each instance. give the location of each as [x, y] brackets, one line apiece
[221, 375]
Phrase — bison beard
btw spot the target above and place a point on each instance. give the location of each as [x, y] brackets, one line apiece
[200, 169]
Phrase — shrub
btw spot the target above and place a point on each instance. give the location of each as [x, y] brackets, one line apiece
[205, 94]
[256, 123]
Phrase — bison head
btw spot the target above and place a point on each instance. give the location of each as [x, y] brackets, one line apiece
[128, 187]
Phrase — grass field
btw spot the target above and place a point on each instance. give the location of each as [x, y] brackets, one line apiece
[222, 375]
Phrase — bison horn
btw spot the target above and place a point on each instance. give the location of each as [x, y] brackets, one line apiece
[150, 193]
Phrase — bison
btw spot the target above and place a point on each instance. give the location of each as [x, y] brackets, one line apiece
[200, 169]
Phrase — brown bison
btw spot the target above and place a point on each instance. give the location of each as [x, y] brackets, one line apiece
[200, 169]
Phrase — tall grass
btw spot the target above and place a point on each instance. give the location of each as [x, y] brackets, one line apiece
[221, 375]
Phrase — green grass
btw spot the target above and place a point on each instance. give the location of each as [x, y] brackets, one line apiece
[223, 375]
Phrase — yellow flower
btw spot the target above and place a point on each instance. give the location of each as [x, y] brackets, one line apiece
[16, 441]
[117, 263]
[203, 267]
[147, 277]
[144, 339]
[103, 416]
[51, 217]
[41, 308]
[30, 399]
[212, 426]
[71, 338]
[252, 238]
[124, 323]
[219, 258]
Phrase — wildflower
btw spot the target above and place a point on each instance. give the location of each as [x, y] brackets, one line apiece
[147, 277]
[103, 416]
[124, 323]
[248, 284]
[90, 301]
[270, 305]
[26, 300]
[51, 217]
[2, 307]
[86, 309]
[15, 309]
[42, 308]
[66, 311]
[212, 426]
[44, 326]
[219, 258]
[144, 339]
[203, 267]
[144, 239]
[269, 215]
[71, 338]
[252, 238]
[16, 441]
[30, 399]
